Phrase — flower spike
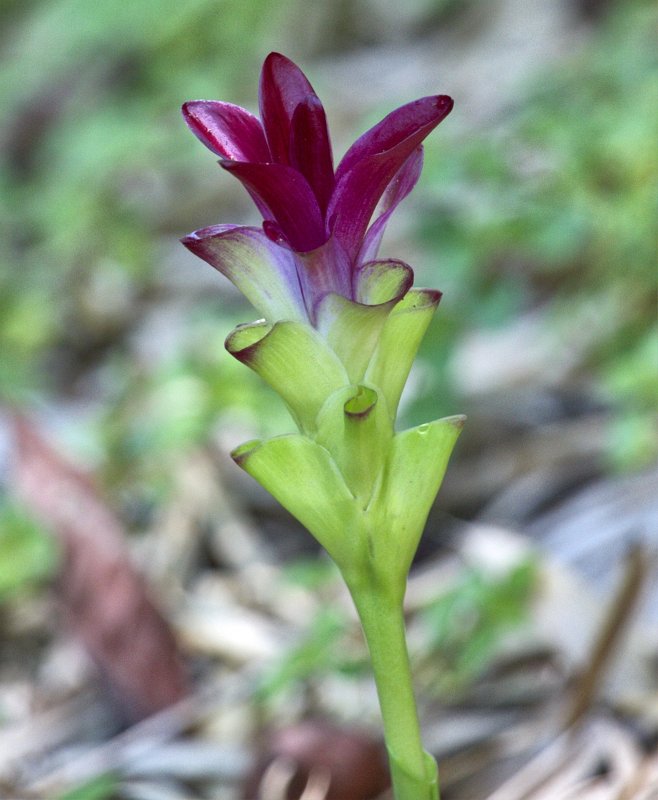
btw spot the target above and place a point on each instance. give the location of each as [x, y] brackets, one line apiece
[285, 162]
[340, 332]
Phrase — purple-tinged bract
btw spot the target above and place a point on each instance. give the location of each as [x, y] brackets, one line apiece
[285, 162]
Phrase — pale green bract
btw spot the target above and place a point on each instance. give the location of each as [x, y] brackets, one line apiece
[363, 490]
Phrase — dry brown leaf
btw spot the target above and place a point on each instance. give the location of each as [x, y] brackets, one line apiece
[104, 599]
[314, 760]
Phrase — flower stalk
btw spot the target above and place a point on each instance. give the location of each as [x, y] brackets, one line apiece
[413, 771]
[339, 334]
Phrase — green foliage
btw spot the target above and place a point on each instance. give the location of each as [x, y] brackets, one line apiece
[466, 625]
[155, 413]
[93, 149]
[314, 574]
[557, 207]
[633, 379]
[325, 647]
[319, 652]
[464, 629]
[102, 787]
[28, 555]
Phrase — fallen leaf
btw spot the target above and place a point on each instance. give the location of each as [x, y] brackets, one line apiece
[105, 600]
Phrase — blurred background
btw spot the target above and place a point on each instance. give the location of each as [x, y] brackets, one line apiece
[535, 215]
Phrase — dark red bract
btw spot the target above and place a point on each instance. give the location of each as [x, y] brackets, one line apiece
[285, 162]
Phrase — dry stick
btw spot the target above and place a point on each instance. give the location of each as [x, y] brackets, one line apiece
[533, 776]
[539, 771]
[144, 736]
[618, 615]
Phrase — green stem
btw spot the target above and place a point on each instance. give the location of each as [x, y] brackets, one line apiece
[413, 771]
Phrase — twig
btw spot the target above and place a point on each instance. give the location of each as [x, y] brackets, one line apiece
[142, 737]
[614, 622]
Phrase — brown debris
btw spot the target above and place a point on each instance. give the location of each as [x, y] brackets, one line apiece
[620, 614]
[104, 600]
[314, 759]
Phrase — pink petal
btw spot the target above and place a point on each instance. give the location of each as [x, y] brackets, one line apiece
[310, 148]
[290, 200]
[283, 86]
[414, 120]
[372, 162]
[228, 130]
[401, 185]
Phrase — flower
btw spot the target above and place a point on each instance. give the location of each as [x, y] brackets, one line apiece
[339, 336]
[316, 238]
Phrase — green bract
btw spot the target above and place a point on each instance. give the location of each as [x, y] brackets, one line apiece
[295, 361]
[363, 490]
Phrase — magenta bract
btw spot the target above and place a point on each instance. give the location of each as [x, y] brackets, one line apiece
[285, 162]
